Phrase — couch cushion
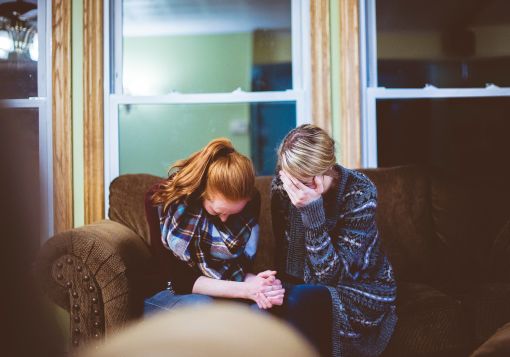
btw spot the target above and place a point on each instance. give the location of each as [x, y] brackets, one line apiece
[468, 211]
[488, 305]
[265, 253]
[127, 201]
[403, 218]
[430, 323]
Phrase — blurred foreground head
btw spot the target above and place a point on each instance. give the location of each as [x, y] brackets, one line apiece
[220, 329]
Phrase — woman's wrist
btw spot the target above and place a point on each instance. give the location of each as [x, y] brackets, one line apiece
[245, 291]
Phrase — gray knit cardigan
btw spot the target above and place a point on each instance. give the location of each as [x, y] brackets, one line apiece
[334, 241]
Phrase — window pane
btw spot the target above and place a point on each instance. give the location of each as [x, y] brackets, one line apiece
[19, 51]
[153, 137]
[206, 46]
[454, 43]
[463, 135]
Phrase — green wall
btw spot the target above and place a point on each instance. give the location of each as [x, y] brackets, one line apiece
[152, 137]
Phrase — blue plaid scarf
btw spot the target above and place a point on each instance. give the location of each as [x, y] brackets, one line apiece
[220, 250]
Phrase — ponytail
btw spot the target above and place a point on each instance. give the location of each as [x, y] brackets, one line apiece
[216, 169]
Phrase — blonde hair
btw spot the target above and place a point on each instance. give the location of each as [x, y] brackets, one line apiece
[216, 169]
[306, 151]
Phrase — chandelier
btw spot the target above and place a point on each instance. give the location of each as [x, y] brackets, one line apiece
[18, 31]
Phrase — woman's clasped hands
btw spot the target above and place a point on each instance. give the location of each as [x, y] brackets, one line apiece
[265, 289]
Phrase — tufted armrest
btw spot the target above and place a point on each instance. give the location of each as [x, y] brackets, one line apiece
[98, 273]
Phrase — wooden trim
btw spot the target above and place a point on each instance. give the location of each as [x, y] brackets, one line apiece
[93, 112]
[350, 91]
[320, 53]
[62, 118]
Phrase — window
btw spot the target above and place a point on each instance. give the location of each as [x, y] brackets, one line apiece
[185, 72]
[25, 88]
[436, 81]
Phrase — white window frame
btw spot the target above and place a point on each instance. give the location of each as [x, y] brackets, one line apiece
[113, 96]
[43, 105]
[371, 92]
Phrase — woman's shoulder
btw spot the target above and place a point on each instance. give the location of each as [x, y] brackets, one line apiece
[357, 181]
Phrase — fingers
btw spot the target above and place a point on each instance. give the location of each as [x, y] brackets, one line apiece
[266, 274]
[288, 184]
[264, 301]
[277, 300]
[298, 184]
[319, 184]
[274, 293]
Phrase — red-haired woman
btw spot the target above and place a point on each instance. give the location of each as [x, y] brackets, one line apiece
[208, 212]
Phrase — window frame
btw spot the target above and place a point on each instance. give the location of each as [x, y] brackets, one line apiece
[371, 92]
[113, 96]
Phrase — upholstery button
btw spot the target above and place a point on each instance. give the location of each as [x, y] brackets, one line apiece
[86, 278]
[76, 330]
[60, 276]
[76, 306]
[59, 265]
[91, 288]
[97, 335]
[69, 261]
[79, 268]
[96, 324]
[75, 342]
[69, 284]
[76, 319]
[94, 300]
[75, 294]
[96, 312]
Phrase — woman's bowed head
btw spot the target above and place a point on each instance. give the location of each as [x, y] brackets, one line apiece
[306, 158]
[208, 209]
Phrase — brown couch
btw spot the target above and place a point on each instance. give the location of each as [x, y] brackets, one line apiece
[445, 244]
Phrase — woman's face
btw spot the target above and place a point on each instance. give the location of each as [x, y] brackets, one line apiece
[217, 205]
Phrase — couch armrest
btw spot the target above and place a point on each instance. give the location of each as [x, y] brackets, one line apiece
[96, 272]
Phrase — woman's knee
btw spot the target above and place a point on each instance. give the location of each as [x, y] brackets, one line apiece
[164, 300]
[194, 299]
[307, 296]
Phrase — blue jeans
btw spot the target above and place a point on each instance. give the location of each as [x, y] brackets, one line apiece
[164, 301]
[308, 307]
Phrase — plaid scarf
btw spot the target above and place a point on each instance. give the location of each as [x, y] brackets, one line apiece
[220, 250]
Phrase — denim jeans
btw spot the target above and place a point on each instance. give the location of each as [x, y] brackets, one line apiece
[308, 307]
[164, 300]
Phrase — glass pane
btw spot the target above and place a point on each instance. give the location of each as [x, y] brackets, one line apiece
[206, 46]
[454, 43]
[463, 135]
[19, 135]
[153, 137]
[19, 51]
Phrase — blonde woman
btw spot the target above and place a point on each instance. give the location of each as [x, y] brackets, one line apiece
[208, 211]
[340, 289]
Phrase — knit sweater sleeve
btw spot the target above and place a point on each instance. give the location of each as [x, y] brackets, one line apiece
[346, 248]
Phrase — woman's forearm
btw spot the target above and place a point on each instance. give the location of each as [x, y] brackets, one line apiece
[220, 288]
